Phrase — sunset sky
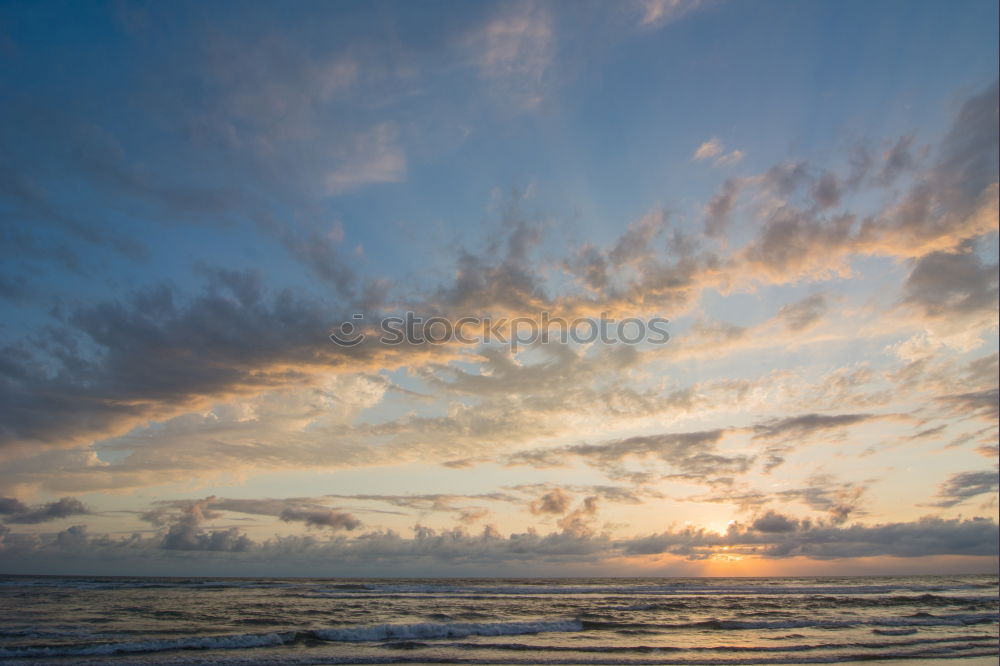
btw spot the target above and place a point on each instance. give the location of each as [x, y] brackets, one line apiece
[194, 196]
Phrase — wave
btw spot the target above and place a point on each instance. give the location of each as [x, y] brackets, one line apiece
[231, 641]
[917, 620]
[673, 589]
[145, 583]
[380, 632]
[408, 634]
[933, 653]
[383, 632]
[881, 645]
[811, 603]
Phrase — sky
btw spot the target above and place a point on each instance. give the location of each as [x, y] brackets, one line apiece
[272, 282]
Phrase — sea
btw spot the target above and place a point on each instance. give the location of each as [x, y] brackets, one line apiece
[132, 620]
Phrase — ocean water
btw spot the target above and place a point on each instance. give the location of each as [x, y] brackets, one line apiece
[100, 620]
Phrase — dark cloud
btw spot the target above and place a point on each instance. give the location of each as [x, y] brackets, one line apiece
[927, 536]
[720, 206]
[794, 242]
[947, 284]
[840, 503]
[185, 532]
[929, 432]
[687, 455]
[334, 520]
[294, 509]
[968, 161]
[190, 537]
[691, 455]
[471, 515]
[897, 160]
[956, 199]
[63, 508]
[823, 493]
[637, 241]
[807, 425]
[981, 404]
[158, 354]
[482, 283]
[924, 537]
[784, 179]
[966, 485]
[802, 314]
[860, 162]
[949, 204]
[774, 523]
[826, 191]
[75, 536]
[12, 505]
[555, 501]
[431, 501]
[590, 266]
[782, 432]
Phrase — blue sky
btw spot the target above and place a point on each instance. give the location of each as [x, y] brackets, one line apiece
[194, 196]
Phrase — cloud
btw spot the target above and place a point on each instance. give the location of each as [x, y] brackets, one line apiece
[555, 501]
[783, 537]
[838, 501]
[953, 201]
[801, 428]
[161, 356]
[658, 13]
[472, 515]
[252, 333]
[63, 508]
[714, 148]
[374, 157]
[949, 203]
[802, 314]
[193, 513]
[806, 425]
[513, 52]
[921, 538]
[966, 485]
[982, 404]
[708, 149]
[636, 243]
[686, 455]
[826, 192]
[897, 160]
[431, 502]
[168, 365]
[578, 522]
[10, 505]
[189, 537]
[720, 206]
[774, 523]
[334, 520]
[952, 284]
[729, 159]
